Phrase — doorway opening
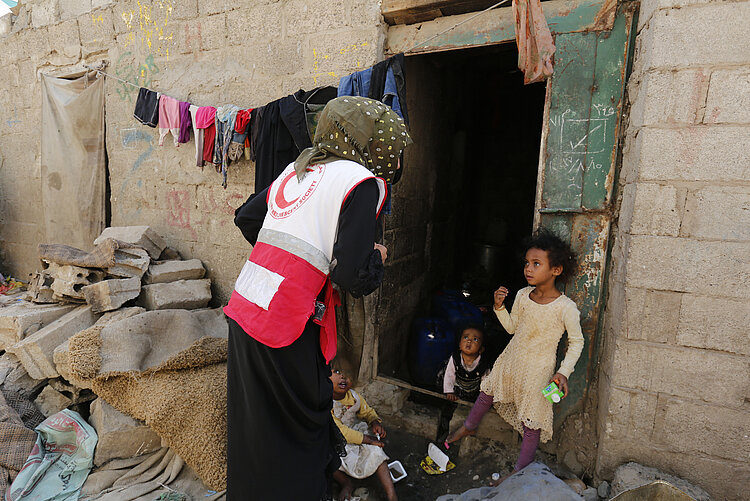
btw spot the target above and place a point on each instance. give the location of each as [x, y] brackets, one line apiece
[464, 205]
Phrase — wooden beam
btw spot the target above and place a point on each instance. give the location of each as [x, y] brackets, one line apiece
[497, 26]
[415, 11]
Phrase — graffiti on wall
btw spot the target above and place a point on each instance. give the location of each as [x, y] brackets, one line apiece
[139, 74]
[148, 28]
[322, 59]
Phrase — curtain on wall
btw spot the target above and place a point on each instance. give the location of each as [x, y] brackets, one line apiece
[73, 159]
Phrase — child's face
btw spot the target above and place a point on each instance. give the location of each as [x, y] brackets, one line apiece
[537, 269]
[341, 383]
[471, 342]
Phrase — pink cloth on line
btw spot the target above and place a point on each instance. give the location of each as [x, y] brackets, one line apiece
[534, 40]
[205, 117]
[169, 119]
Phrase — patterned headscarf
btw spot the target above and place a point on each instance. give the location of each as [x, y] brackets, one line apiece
[360, 129]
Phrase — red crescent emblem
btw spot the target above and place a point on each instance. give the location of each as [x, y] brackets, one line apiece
[282, 202]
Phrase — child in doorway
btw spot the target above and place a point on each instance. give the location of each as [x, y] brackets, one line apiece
[465, 370]
[364, 452]
[540, 315]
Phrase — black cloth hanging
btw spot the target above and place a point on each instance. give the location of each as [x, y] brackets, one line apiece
[282, 133]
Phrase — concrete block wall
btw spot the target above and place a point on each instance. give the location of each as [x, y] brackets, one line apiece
[243, 52]
[676, 364]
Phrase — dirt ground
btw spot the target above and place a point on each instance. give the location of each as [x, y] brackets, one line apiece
[418, 486]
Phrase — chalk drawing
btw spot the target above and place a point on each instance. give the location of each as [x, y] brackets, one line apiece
[149, 26]
[12, 122]
[178, 214]
[129, 141]
[138, 74]
[322, 57]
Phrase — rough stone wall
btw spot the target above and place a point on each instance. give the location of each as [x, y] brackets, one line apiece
[214, 53]
[676, 372]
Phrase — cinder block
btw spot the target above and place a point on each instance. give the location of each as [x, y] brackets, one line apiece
[648, 7]
[684, 265]
[120, 436]
[668, 369]
[698, 153]
[51, 401]
[17, 379]
[44, 13]
[21, 319]
[670, 97]
[67, 42]
[73, 8]
[653, 315]
[657, 209]
[185, 294]
[171, 271]
[121, 314]
[718, 214]
[142, 236]
[693, 428]
[69, 281]
[714, 323]
[36, 351]
[628, 414]
[109, 295]
[699, 35]
[729, 97]
[129, 262]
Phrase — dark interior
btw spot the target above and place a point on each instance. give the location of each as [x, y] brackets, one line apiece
[466, 200]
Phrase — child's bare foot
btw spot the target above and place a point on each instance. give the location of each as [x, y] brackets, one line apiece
[458, 435]
[346, 486]
[495, 483]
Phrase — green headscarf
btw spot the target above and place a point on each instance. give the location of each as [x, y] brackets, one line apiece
[360, 129]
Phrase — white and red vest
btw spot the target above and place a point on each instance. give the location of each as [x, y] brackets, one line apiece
[276, 291]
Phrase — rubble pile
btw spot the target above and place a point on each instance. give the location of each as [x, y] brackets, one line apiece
[129, 273]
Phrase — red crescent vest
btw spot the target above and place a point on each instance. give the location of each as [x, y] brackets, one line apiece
[276, 291]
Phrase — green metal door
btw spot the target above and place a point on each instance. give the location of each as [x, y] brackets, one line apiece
[583, 118]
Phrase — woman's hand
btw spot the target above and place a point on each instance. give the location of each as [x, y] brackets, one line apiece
[383, 251]
[377, 429]
[451, 396]
[368, 440]
[562, 383]
[500, 296]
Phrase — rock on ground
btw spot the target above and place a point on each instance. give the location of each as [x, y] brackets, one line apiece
[51, 401]
[120, 436]
[632, 475]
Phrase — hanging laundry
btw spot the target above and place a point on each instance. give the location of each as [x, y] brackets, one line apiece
[386, 82]
[169, 119]
[198, 136]
[256, 117]
[535, 44]
[206, 119]
[239, 137]
[225, 118]
[185, 122]
[282, 133]
[147, 107]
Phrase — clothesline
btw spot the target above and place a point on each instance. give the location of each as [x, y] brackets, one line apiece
[498, 4]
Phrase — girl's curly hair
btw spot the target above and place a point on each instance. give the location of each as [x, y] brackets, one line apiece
[559, 251]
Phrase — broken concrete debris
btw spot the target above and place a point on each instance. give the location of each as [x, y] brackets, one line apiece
[50, 401]
[40, 288]
[109, 295]
[141, 236]
[120, 436]
[69, 280]
[171, 271]
[129, 262]
[183, 294]
[633, 475]
[121, 314]
[23, 318]
[36, 351]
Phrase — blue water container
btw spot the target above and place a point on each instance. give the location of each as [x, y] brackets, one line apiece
[431, 343]
[453, 307]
